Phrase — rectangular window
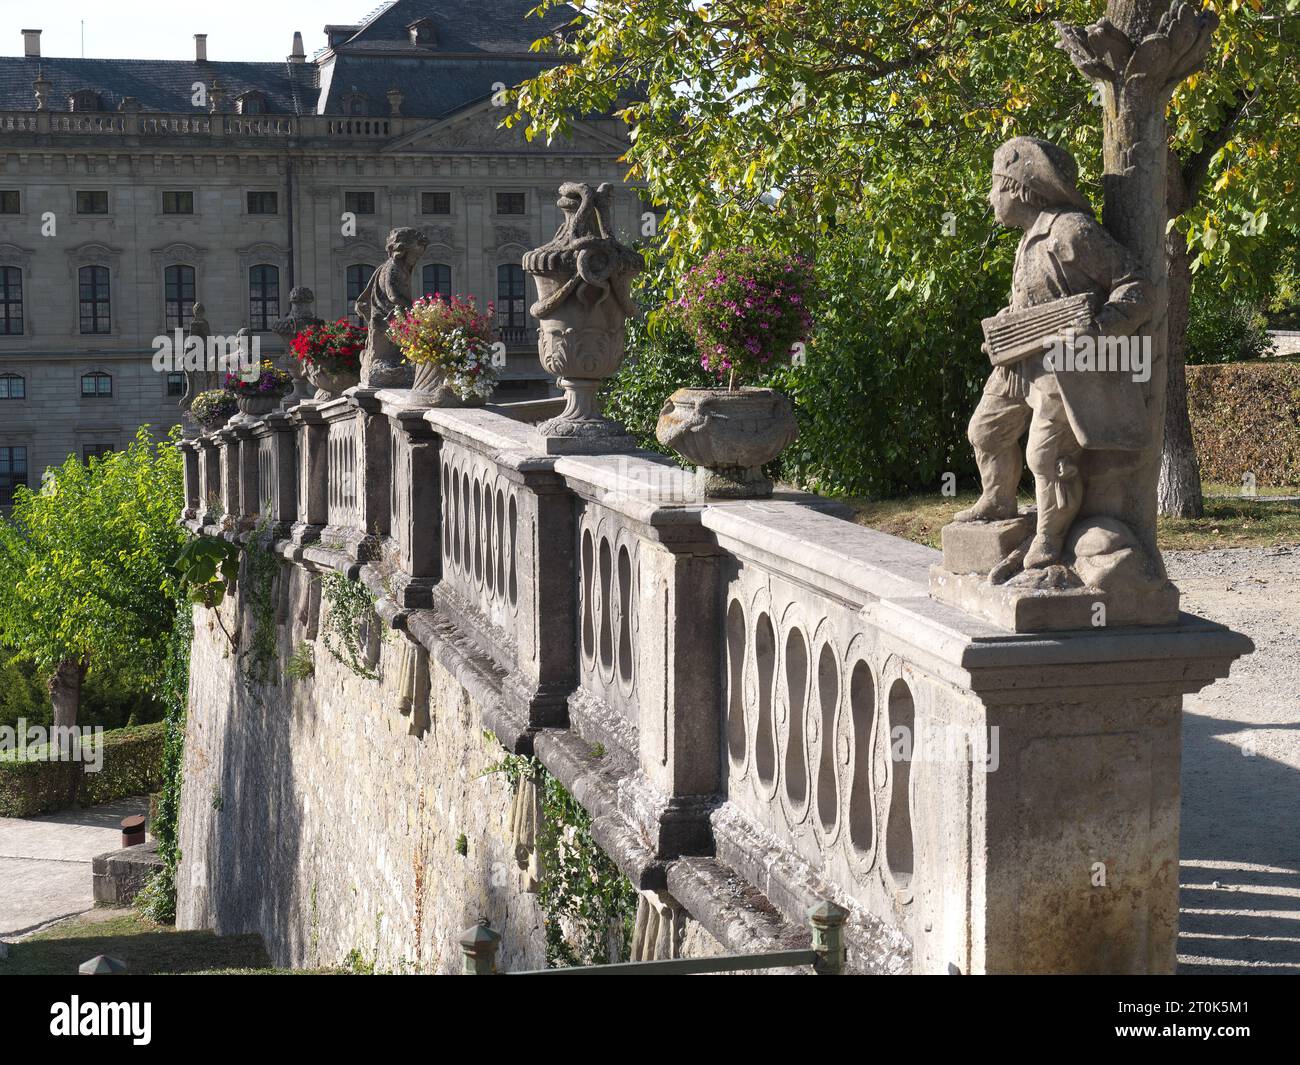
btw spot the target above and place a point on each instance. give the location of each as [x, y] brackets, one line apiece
[358, 276]
[95, 202]
[12, 386]
[10, 201]
[13, 471]
[176, 384]
[92, 286]
[11, 301]
[359, 202]
[435, 203]
[96, 385]
[95, 451]
[178, 203]
[437, 279]
[263, 203]
[511, 203]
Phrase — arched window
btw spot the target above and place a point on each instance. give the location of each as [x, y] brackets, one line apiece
[96, 385]
[512, 315]
[355, 103]
[178, 291]
[358, 276]
[437, 279]
[92, 283]
[12, 386]
[11, 301]
[263, 296]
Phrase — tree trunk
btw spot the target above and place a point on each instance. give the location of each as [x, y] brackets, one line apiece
[1179, 493]
[65, 692]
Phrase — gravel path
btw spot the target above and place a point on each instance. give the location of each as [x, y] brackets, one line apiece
[1241, 769]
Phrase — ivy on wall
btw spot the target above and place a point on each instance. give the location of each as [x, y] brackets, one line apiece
[261, 576]
[589, 906]
[351, 609]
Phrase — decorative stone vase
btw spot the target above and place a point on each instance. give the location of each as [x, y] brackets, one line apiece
[213, 422]
[729, 436]
[429, 387]
[330, 384]
[582, 307]
[258, 404]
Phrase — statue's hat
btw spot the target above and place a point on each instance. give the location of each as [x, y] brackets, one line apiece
[1043, 168]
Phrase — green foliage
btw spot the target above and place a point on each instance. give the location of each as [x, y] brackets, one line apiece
[462, 844]
[262, 574]
[132, 764]
[87, 564]
[104, 700]
[351, 608]
[302, 663]
[1246, 419]
[588, 903]
[1223, 329]
[208, 567]
[158, 900]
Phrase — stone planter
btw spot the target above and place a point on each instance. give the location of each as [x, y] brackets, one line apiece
[330, 385]
[430, 388]
[213, 422]
[729, 436]
[258, 404]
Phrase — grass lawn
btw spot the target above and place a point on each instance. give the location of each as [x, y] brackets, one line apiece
[1227, 522]
[144, 946]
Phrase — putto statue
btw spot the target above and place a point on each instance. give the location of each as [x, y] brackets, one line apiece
[205, 377]
[1064, 253]
[389, 291]
[1070, 366]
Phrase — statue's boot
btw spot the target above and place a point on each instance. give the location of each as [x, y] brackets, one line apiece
[988, 508]
[1044, 551]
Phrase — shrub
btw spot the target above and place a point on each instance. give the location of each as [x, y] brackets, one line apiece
[451, 336]
[1222, 329]
[133, 762]
[333, 346]
[1246, 419]
[212, 409]
[269, 381]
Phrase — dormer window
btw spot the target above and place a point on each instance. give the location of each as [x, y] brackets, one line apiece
[423, 33]
[355, 104]
[251, 103]
[84, 100]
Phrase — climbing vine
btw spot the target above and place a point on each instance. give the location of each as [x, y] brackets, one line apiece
[351, 608]
[588, 904]
[261, 577]
[158, 899]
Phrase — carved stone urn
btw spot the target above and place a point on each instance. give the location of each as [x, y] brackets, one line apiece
[729, 436]
[582, 307]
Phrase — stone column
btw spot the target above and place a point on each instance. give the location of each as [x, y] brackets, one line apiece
[416, 507]
[228, 461]
[209, 480]
[276, 434]
[193, 485]
[250, 501]
[310, 474]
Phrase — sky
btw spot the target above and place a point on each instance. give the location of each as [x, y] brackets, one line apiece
[257, 30]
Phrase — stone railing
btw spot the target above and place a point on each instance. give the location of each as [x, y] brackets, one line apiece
[778, 702]
[204, 124]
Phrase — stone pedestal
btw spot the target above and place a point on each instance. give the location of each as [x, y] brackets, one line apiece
[978, 546]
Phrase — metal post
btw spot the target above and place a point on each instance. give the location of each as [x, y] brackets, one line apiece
[479, 945]
[827, 922]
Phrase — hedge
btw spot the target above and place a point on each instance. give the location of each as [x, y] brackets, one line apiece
[1246, 419]
[132, 766]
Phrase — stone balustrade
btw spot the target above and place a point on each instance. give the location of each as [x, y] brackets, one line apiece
[203, 124]
[783, 714]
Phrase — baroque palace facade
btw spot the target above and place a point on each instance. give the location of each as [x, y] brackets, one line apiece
[130, 189]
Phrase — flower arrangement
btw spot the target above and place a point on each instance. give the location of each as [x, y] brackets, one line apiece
[212, 409]
[334, 347]
[746, 308]
[451, 339]
[269, 381]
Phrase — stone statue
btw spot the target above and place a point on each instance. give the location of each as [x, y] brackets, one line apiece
[583, 276]
[204, 377]
[1064, 252]
[1072, 366]
[300, 316]
[389, 291]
